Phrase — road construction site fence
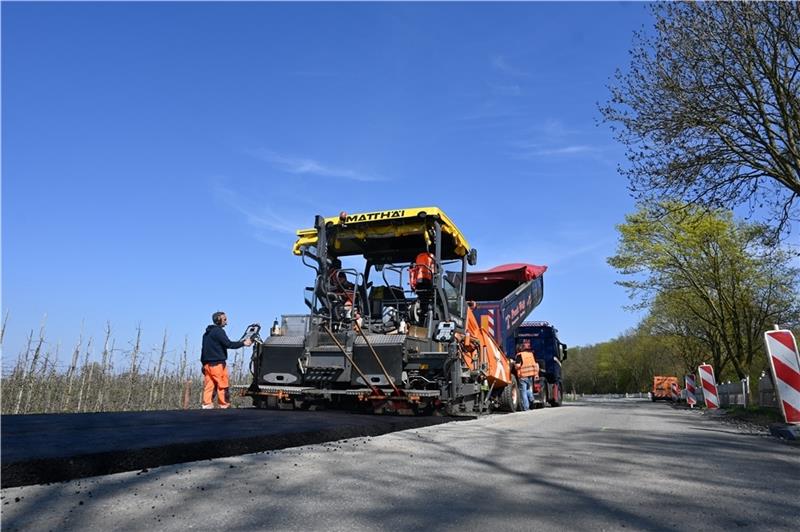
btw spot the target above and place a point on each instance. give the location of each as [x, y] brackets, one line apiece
[730, 394]
[766, 393]
[737, 394]
[576, 396]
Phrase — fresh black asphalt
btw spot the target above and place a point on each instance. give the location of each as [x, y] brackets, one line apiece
[46, 448]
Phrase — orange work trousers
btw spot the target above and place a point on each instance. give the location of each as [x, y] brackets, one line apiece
[215, 379]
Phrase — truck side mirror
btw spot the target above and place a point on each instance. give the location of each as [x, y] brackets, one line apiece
[472, 257]
[564, 351]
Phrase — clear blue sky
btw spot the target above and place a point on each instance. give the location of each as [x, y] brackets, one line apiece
[157, 158]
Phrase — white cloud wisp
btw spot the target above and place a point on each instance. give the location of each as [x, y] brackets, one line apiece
[306, 166]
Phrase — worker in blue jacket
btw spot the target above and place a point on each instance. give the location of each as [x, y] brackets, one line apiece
[214, 357]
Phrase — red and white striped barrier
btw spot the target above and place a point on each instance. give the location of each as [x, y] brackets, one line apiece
[676, 392]
[709, 384]
[487, 321]
[690, 389]
[491, 322]
[785, 363]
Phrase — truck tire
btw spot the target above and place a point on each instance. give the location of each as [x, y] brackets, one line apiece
[540, 397]
[556, 399]
[545, 394]
[509, 397]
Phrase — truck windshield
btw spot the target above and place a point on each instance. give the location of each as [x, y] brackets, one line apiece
[543, 346]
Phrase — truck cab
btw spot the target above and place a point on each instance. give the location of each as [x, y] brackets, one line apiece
[550, 352]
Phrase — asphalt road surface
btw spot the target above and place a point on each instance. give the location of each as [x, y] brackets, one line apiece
[54, 447]
[593, 465]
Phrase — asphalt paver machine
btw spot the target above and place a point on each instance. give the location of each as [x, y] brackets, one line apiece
[393, 334]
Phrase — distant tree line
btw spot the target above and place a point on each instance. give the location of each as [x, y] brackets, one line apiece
[625, 364]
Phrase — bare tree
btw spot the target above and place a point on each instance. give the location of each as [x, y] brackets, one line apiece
[709, 110]
[105, 370]
[154, 382]
[37, 385]
[71, 371]
[29, 377]
[134, 370]
[3, 329]
[49, 377]
[21, 373]
[86, 374]
[182, 372]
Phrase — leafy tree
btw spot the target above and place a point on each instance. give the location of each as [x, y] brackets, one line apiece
[708, 277]
[625, 364]
[692, 339]
[709, 110]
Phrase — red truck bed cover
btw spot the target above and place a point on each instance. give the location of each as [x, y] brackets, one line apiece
[517, 271]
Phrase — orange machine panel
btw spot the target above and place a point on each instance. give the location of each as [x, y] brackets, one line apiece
[498, 369]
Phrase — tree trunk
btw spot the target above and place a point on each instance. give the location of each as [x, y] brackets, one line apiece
[134, 355]
[83, 374]
[156, 378]
[24, 368]
[103, 380]
[71, 372]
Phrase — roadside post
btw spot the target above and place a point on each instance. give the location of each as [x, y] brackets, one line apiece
[709, 384]
[784, 361]
[745, 390]
[690, 399]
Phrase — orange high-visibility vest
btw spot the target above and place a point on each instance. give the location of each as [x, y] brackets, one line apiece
[529, 366]
[421, 272]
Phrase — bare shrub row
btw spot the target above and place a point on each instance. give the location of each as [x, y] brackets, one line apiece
[115, 380]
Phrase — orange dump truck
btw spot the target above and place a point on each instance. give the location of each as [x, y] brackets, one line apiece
[665, 388]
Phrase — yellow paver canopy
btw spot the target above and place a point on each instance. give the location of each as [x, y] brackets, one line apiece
[390, 236]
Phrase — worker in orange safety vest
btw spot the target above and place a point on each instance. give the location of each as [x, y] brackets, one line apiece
[526, 369]
[421, 272]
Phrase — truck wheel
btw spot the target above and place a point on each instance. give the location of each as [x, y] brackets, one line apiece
[555, 400]
[509, 398]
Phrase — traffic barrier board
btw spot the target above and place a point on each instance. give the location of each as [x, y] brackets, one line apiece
[690, 390]
[784, 361]
[709, 385]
